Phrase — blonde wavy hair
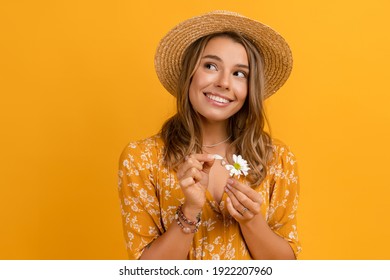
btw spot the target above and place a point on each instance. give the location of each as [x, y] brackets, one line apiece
[182, 133]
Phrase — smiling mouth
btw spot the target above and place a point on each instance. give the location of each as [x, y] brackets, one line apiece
[217, 98]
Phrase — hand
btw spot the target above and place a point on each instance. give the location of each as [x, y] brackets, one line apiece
[243, 203]
[193, 176]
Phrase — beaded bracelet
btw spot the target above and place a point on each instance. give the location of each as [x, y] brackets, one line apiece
[179, 211]
[180, 215]
[186, 229]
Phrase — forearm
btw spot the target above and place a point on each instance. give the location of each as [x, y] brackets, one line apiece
[262, 242]
[174, 244]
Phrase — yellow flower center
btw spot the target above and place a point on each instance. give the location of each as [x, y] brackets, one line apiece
[237, 166]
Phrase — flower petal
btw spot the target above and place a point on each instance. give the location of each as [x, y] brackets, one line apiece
[217, 156]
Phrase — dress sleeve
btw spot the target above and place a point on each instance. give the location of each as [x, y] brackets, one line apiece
[138, 197]
[282, 217]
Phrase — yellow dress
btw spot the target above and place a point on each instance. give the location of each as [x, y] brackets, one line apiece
[150, 194]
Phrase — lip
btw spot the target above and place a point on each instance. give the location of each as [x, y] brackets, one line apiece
[216, 102]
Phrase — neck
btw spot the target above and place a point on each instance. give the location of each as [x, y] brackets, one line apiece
[214, 132]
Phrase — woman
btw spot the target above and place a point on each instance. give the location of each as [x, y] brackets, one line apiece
[187, 192]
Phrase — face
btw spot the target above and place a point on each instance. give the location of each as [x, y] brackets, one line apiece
[219, 85]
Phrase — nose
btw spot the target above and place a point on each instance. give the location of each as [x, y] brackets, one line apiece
[223, 80]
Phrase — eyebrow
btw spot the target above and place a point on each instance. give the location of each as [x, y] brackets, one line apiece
[219, 59]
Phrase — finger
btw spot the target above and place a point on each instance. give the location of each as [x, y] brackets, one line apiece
[202, 157]
[194, 173]
[187, 164]
[239, 196]
[189, 181]
[235, 213]
[246, 190]
[241, 201]
[236, 203]
[207, 161]
[191, 161]
[232, 211]
[207, 166]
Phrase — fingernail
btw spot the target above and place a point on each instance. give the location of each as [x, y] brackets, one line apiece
[227, 189]
[230, 181]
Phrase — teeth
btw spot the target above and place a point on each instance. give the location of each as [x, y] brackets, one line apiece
[217, 98]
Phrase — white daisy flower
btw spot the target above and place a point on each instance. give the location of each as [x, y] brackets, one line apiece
[239, 167]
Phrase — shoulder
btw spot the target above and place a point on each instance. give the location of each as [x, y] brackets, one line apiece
[284, 164]
[145, 149]
[147, 143]
[282, 153]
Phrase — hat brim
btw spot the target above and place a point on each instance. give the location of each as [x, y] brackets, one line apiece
[274, 49]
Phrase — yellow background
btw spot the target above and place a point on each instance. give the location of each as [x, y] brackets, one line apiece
[77, 83]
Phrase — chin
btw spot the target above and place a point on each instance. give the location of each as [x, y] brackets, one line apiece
[215, 118]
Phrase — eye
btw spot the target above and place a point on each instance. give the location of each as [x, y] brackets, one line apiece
[240, 74]
[210, 66]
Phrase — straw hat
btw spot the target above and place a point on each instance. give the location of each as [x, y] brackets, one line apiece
[274, 49]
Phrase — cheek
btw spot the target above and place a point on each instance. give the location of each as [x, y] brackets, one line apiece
[193, 92]
[192, 88]
[242, 92]
[201, 79]
[198, 82]
[194, 84]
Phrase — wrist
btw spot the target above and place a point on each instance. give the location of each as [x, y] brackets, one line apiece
[187, 224]
[191, 212]
[256, 223]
